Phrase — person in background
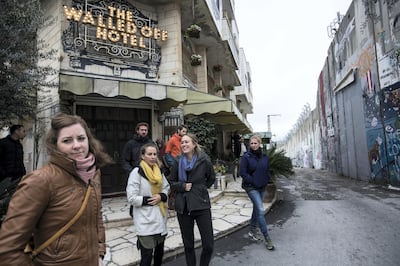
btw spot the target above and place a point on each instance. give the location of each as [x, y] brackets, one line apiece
[190, 177]
[12, 154]
[46, 199]
[147, 192]
[131, 153]
[173, 147]
[254, 170]
[236, 144]
[243, 149]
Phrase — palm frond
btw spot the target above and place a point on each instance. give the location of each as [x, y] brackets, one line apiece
[279, 164]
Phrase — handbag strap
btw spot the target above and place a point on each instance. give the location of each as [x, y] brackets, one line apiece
[66, 226]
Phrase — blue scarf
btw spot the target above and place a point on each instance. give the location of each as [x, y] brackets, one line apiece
[185, 166]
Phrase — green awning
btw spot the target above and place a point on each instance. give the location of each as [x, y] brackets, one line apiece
[217, 109]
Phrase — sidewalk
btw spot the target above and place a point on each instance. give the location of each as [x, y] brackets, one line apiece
[231, 210]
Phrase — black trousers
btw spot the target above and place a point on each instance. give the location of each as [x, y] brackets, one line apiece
[204, 223]
[147, 255]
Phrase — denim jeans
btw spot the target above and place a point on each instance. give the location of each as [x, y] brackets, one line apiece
[257, 216]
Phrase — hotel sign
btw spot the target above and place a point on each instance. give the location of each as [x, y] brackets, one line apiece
[114, 34]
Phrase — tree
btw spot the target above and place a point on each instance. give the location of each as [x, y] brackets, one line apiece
[21, 76]
[204, 131]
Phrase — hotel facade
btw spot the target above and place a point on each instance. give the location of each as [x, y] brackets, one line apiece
[123, 62]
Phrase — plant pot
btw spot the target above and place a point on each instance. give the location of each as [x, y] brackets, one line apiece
[217, 68]
[271, 192]
[193, 31]
[195, 63]
[217, 89]
[195, 60]
[193, 34]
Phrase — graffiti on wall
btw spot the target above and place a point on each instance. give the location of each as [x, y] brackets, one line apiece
[383, 134]
[391, 105]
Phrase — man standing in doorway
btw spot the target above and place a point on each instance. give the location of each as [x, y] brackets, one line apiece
[173, 148]
[12, 154]
[131, 154]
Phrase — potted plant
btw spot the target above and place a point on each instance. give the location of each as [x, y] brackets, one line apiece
[219, 168]
[217, 68]
[230, 87]
[220, 171]
[195, 59]
[217, 88]
[279, 165]
[193, 31]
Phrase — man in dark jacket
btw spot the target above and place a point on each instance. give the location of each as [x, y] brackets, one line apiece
[12, 154]
[131, 152]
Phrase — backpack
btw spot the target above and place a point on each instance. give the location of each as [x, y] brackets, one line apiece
[7, 189]
[169, 160]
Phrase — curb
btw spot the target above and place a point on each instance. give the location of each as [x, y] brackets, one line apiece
[122, 219]
[169, 254]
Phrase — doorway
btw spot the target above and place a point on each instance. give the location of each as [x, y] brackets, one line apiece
[113, 126]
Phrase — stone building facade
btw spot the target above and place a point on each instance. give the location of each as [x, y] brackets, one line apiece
[122, 62]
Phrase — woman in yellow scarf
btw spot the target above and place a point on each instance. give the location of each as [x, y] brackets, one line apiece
[147, 192]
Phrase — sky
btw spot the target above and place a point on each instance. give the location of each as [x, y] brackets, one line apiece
[286, 44]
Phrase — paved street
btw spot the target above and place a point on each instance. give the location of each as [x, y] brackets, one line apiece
[321, 219]
[231, 210]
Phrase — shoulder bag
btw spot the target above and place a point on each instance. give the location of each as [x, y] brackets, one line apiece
[35, 252]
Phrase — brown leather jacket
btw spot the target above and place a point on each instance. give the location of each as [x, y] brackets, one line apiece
[45, 200]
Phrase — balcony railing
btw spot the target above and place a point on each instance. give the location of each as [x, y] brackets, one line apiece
[228, 36]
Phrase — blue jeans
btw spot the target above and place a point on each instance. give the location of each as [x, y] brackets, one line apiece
[257, 216]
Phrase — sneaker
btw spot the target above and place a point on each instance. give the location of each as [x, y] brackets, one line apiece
[268, 243]
[253, 235]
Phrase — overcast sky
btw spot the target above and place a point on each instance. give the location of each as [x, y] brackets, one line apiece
[286, 44]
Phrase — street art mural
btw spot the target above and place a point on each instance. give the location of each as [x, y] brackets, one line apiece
[383, 134]
[390, 108]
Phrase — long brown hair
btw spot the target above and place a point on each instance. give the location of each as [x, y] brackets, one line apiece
[61, 121]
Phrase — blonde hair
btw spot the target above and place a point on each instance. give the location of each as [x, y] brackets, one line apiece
[195, 140]
[256, 137]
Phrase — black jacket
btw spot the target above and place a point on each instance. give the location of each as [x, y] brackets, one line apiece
[202, 176]
[11, 158]
[131, 154]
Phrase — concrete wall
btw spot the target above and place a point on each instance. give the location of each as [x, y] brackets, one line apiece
[358, 97]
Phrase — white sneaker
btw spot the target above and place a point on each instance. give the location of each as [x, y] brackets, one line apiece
[253, 235]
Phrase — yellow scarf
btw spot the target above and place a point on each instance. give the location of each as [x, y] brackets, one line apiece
[154, 176]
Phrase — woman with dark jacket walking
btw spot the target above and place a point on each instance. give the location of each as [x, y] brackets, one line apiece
[190, 177]
[254, 170]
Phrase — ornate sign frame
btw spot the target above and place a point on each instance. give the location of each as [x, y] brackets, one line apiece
[114, 34]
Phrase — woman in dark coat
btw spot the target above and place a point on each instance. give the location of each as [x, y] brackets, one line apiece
[190, 177]
[254, 170]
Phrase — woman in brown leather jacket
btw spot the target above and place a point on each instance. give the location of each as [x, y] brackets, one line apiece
[48, 198]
